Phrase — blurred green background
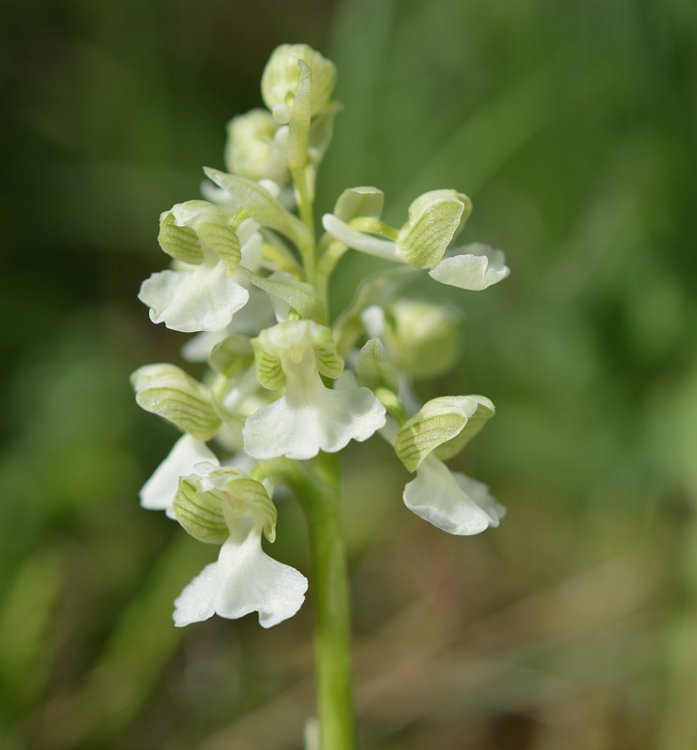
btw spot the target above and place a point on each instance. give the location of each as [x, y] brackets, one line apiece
[573, 128]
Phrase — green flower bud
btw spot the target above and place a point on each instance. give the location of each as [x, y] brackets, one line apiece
[252, 149]
[422, 338]
[282, 75]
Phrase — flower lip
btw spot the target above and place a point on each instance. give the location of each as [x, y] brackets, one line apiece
[451, 501]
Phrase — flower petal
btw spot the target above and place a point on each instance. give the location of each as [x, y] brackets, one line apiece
[254, 582]
[159, 491]
[479, 492]
[198, 599]
[478, 268]
[203, 299]
[245, 579]
[311, 417]
[451, 502]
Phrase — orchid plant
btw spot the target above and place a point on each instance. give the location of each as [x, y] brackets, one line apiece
[287, 388]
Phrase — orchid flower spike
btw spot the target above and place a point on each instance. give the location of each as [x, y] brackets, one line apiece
[285, 377]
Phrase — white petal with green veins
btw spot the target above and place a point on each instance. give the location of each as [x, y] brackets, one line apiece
[200, 513]
[435, 218]
[179, 241]
[216, 501]
[223, 241]
[446, 423]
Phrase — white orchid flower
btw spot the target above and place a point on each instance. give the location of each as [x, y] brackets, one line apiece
[435, 219]
[308, 417]
[223, 505]
[451, 501]
[202, 293]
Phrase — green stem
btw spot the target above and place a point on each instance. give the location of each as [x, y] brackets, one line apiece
[306, 211]
[320, 497]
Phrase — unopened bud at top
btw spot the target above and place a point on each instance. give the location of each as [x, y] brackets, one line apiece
[282, 75]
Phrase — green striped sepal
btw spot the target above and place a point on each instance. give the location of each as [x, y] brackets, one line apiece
[435, 219]
[222, 240]
[209, 506]
[169, 392]
[442, 426]
[191, 228]
[178, 241]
